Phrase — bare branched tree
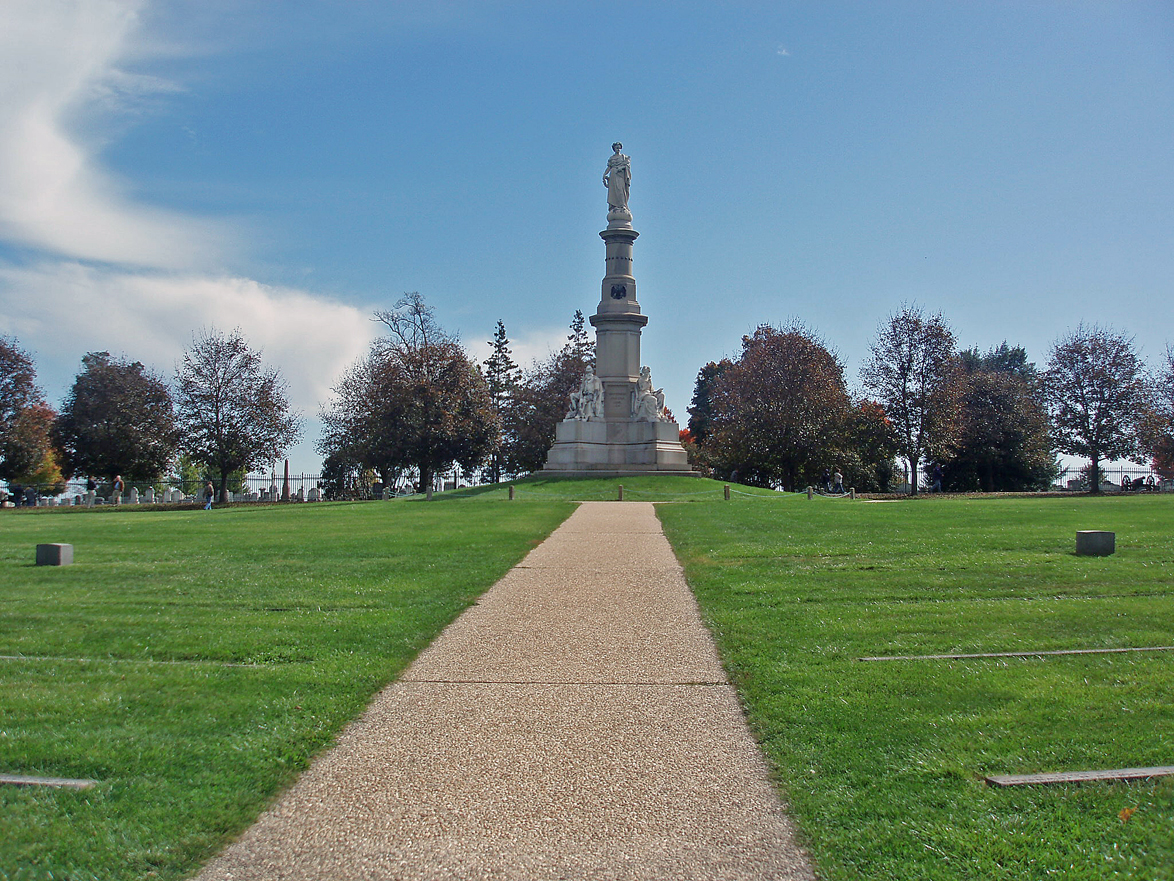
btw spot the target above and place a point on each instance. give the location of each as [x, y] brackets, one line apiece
[1097, 392]
[233, 412]
[911, 373]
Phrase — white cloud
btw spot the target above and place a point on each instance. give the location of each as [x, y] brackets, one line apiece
[782, 51]
[58, 58]
[113, 273]
[67, 309]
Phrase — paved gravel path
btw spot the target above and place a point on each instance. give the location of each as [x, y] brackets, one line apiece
[574, 724]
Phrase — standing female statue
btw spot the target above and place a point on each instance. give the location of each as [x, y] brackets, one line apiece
[618, 180]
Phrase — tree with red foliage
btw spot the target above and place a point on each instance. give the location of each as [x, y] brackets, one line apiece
[779, 413]
[1157, 431]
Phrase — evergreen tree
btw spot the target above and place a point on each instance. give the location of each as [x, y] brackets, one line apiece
[501, 375]
[542, 397]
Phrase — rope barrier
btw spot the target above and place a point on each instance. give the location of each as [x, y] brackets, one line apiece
[773, 495]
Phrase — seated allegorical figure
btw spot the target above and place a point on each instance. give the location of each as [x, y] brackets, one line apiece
[648, 405]
[587, 402]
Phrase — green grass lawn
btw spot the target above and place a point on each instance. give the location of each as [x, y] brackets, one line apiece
[882, 763]
[193, 662]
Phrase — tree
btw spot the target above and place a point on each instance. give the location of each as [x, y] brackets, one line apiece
[541, 400]
[117, 419]
[1097, 393]
[867, 456]
[22, 447]
[415, 401]
[1003, 441]
[701, 408]
[37, 460]
[779, 413]
[911, 372]
[580, 346]
[1157, 431]
[233, 411]
[501, 376]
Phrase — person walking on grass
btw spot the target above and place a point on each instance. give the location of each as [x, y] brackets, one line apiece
[209, 493]
[838, 486]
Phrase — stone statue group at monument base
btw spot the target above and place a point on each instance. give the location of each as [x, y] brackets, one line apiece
[647, 402]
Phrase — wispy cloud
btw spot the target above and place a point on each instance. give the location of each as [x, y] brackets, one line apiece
[109, 271]
[58, 60]
[782, 50]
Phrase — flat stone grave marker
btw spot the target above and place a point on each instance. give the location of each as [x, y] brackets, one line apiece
[1079, 776]
[57, 782]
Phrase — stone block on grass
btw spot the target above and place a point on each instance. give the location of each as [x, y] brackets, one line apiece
[54, 555]
[1095, 543]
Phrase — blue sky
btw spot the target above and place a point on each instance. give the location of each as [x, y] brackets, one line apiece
[287, 167]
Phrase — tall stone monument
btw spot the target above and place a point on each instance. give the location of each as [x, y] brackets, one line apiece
[617, 423]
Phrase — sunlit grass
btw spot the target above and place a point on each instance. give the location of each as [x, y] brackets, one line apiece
[314, 606]
[883, 762]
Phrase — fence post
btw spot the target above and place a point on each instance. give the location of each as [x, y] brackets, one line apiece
[511, 492]
[727, 488]
[810, 494]
[852, 493]
[621, 492]
[428, 494]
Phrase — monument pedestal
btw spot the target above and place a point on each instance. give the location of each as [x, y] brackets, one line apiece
[609, 449]
[628, 433]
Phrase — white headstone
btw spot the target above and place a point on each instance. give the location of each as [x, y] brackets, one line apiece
[134, 495]
[313, 494]
[149, 495]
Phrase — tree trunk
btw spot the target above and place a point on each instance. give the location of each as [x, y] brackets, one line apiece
[913, 475]
[1094, 478]
[223, 487]
[425, 477]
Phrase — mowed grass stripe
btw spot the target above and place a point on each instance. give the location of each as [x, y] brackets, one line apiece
[186, 754]
[884, 764]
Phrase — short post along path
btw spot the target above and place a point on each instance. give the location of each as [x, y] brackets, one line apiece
[575, 723]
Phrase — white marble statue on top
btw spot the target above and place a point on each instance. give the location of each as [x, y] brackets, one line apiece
[648, 405]
[587, 402]
[617, 177]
